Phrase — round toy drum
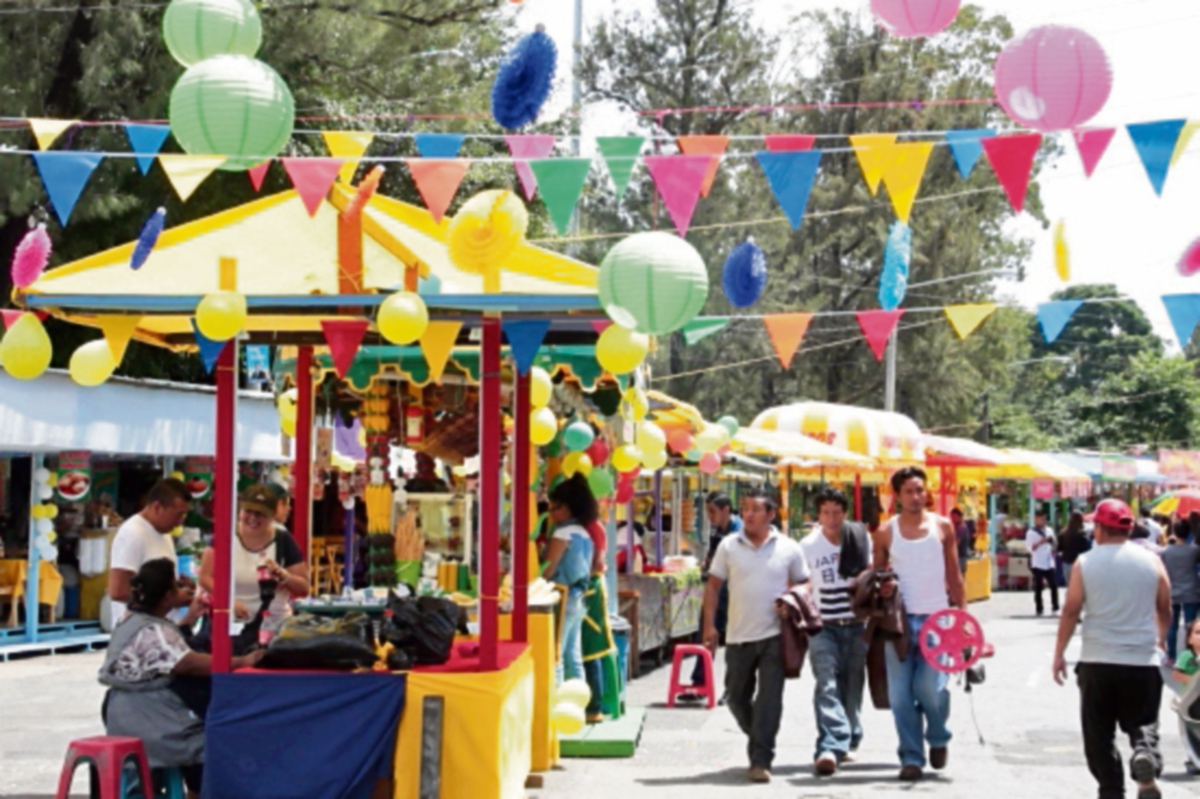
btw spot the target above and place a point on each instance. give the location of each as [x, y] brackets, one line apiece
[952, 641]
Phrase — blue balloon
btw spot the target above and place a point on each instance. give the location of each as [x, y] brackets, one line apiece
[524, 81]
[893, 281]
[745, 275]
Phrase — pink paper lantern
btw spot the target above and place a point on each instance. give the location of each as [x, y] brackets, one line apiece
[1189, 264]
[1053, 78]
[913, 19]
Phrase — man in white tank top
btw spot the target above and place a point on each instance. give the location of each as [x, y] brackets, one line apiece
[1124, 596]
[921, 548]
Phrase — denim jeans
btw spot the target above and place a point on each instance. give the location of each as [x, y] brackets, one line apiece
[839, 657]
[572, 642]
[1188, 611]
[920, 697]
[754, 681]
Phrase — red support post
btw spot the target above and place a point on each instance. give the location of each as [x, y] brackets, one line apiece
[223, 506]
[490, 485]
[520, 509]
[858, 505]
[944, 491]
[302, 469]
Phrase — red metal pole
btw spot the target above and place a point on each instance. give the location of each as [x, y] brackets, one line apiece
[489, 494]
[223, 506]
[520, 514]
[302, 470]
[858, 508]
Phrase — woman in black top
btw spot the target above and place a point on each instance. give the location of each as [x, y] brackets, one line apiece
[1073, 541]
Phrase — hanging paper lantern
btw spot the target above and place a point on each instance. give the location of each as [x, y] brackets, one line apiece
[31, 257]
[543, 426]
[25, 350]
[681, 441]
[627, 458]
[600, 481]
[221, 315]
[524, 80]
[1189, 264]
[578, 436]
[651, 438]
[731, 425]
[745, 275]
[655, 460]
[637, 403]
[710, 463]
[402, 318]
[620, 350]
[577, 463]
[913, 19]
[541, 387]
[92, 363]
[598, 451]
[1053, 78]
[485, 233]
[233, 106]
[198, 29]
[653, 283]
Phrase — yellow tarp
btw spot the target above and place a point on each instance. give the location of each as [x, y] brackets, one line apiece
[542, 644]
[892, 439]
[797, 450]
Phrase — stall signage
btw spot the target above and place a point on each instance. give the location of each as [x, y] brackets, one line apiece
[198, 477]
[74, 482]
[1042, 489]
[258, 366]
[1179, 466]
[1076, 489]
[1118, 469]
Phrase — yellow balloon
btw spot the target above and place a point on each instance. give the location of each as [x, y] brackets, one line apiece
[221, 315]
[402, 318]
[177, 475]
[575, 692]
[627, 458]
[651, 438]
[712, 438]
[485, 233]
[92, 363]
[567, 719]
[637, 402]
[38, 512]
[577, 463]
[543, 426]
[286, 404]
[25, 350]
[654, 460]
[620, 350]
[288, 426]
[541, 387]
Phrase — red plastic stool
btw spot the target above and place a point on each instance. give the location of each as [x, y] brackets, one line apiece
[107, 754]
[709, 689]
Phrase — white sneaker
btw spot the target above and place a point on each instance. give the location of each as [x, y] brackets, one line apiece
[826, 765]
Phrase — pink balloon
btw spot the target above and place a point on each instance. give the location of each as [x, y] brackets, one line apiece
[912, 19]
[1053, 78]
[710, 463]
[1189, 264]
[681, 441]
[625, 492]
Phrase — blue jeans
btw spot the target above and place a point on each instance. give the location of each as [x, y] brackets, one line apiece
[572, 641]
[920, 698]
[1188, 610]
[839, 659]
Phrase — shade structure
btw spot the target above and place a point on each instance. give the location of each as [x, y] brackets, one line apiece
[672, 414]
[1181, 502]
[891, 439]
[798, 451]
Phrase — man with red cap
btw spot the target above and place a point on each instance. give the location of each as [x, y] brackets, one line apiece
[1124, 597]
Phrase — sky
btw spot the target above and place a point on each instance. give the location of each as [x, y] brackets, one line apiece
[1118, 230]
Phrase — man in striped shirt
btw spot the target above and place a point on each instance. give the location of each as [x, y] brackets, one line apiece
[838, 653]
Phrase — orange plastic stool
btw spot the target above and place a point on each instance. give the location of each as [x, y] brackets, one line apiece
[107, 754]
[709, 689]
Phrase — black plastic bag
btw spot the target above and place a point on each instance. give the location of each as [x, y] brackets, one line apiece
[311, 642]
[423, 628]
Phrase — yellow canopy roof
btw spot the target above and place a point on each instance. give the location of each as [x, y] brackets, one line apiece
[1033, 465]
[892, 439]
[672, 414]
[797, 450]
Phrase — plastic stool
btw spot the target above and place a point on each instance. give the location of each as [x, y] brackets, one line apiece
[107, 754]
[708, 689]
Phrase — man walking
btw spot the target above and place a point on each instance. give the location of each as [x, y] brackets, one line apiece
[759, 565]
[1039, 540]
[836, 553]
[920, 547]
[1123, 594]
[1182, 559]
[144, 537]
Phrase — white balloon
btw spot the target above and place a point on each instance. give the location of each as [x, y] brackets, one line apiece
[45, 526]
[574, 692]
[45, 492]
[42, 476]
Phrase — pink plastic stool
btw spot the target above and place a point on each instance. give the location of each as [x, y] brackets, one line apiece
[709, 689]
[107, 754]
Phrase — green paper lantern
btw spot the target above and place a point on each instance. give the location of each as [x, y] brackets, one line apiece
[198, 29]
[654, 283]
[234, 106]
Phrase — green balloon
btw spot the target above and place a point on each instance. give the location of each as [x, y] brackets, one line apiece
[198, 29]
[730, 423]
[234, 106]
[654, 283]
[601, 483]
[578, 436]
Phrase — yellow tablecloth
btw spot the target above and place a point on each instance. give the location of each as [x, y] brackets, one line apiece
[979, 579]
[13, 573]
[541, 644]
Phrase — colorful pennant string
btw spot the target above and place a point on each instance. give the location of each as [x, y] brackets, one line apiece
[312, 178]
[438, 180]
[64, 174]
[531, 146]
[705, 145]
[791, 175]
[1092, 143]
[1011, 158]
[187, 172]
[1054, 316]
[561, 181]
[350, 146]
[966, 319]
[620, 155]
[877, 327]
[787, 331]
[146, 140]
[679, 179]
[437, 343]
[1155, 144]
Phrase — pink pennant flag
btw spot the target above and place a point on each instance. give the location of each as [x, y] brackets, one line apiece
[789, 142]
[600, 325]
[10, 317]
[437, 180]
[679, 179]
[533, 146]
[877, 327]
[258, 174]
[313, 178]
[1092, 144]
[1011, 158]
[344, 337]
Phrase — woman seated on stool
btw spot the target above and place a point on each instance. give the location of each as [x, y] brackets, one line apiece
[151, 675]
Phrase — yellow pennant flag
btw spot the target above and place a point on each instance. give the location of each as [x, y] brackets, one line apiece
[903, 173]
[437, 344]
[873, 151]
[186, 172]
[350, 145]
[1185, 138]
[118, 331]
[1062, 253]
[46, 131]
[967, 318]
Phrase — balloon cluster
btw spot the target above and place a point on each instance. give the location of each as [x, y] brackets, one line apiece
[570, 701]
[543, 424]
[44, 516]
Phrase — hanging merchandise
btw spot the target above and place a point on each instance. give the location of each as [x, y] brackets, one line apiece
[524, 80]
[148, 238]
[914, 19]
[897, 255]
[745, 274]
[1053, 78]
[653, 283]
[31, 257]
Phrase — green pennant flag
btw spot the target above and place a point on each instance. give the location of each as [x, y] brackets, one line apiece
[560, 182]
[697, 330]
[620, 155]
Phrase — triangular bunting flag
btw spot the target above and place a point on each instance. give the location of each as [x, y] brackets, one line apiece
[966, 319]
[1054, 316]
[438, 181]
[877, 328]
[313, 178]
[966, 148]
[258, 174]
[789, 142]
[697, 330]
[437, 343]
[560, 180]
[10, 316]
[210, 350]
[787, 332]
[1155, 144]
[903, 174]
[525, 339]
[873, 151]
[791, 175]
[146, 141]
[1184, 310]
[679, 178]
[47, 131]
[600, 325]
[1092, 143]
[1185, 138]
[349, 145]
[705, 145]
[344, 336]
[439, 145]
[118, 331]
[1011, 158]
[187, 172]
[538, 145]
[620, 156]
[64, 174]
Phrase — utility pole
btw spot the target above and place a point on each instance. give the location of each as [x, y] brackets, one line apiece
[889, 394]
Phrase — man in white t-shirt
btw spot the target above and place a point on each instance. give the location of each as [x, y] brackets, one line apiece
[144, 537]
[1039, 540]
[759, 565]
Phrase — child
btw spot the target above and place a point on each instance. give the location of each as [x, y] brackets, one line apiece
[1187, 665]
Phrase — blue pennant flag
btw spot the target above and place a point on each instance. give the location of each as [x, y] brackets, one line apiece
[791, 175]
[1155, 144]
[526, 339]
[1054, 316]
[439, 145]
[1184, 310]
[893, 281]
[146, 141]
[209, 350]
[967, 147]
[64, 174]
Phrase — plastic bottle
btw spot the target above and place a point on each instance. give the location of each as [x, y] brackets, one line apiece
[264, 634]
